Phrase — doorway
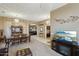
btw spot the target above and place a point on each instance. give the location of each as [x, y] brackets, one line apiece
[48, 32]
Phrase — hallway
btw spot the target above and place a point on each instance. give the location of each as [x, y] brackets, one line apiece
[38, 48]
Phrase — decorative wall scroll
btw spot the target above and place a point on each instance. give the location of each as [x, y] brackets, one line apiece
[68, 20]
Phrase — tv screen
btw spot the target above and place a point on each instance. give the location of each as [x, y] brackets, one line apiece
[66, 35]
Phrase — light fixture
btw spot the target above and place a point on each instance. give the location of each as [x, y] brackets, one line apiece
[16, 20]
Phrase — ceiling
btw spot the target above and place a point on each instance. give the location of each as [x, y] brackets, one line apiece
[28, 11]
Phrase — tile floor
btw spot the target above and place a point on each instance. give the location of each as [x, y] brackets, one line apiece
[37, 47]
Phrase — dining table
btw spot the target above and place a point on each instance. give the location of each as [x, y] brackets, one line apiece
[19, 39]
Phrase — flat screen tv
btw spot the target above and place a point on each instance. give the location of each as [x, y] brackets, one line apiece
[66, 36]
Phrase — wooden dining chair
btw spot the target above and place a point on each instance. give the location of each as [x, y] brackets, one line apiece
[4, 51]
[23, 38]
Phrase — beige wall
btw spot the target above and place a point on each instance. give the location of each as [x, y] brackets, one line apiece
[63, 13]
[1, 26]
[1, 23]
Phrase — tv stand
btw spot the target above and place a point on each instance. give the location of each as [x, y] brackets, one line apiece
[65, 48]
